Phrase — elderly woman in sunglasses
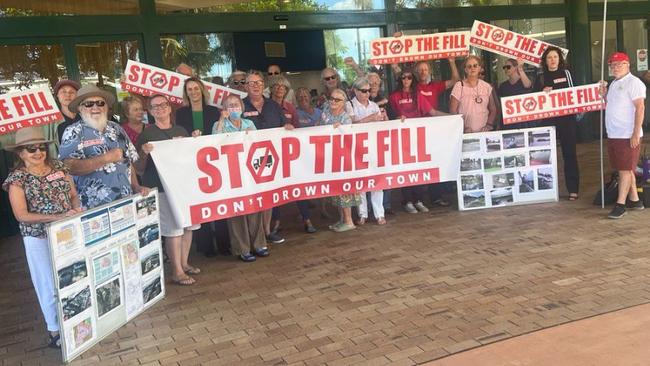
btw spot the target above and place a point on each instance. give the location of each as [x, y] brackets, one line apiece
[331, 80]
[472, 97]
[334, 114]
[40, 191]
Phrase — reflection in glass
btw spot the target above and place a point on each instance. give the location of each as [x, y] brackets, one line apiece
[352, 42]
[9, 8]
[420, 4]
[28, 66]
[596, 46]
[103, 62]
[221, 6]
[209, 54]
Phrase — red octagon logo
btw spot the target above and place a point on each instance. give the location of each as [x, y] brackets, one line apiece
[158, 79]
[396, 46]
[262, 161]
[498, 35]
[530, 104]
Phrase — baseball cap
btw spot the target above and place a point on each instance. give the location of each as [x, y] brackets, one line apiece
[618, 57]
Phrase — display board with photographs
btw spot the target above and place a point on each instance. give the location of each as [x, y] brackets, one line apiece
[107, 269]
[509, 167]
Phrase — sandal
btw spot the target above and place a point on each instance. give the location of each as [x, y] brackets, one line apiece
[54, 341]
[344, 227]
[573, 196]
[184, 281]
[362, 221]
[381, 221]
[192, 270]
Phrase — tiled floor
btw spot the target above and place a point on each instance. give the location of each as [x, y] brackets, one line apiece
[418, 289]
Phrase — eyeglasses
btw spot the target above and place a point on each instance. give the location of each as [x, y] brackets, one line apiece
[91, 103]
[334, 99]
[32, 149]
[255, 82]
[507, 67]
[407, 77]
[159, 106]
[617, 64]
[238, 82]
[328, 78]
[364, 90]
[472, 66]
[274, 73]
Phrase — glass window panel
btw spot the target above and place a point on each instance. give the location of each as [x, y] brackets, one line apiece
[419, 4]
[635, 37]
[17, 8]
[351, 42]
[596, 46]
[551, 30]
[224, 6]
[209, 54]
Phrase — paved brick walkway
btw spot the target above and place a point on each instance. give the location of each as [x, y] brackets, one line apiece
[421, 288]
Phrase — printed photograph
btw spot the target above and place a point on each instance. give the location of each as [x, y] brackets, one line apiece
[129, 253]
[544, 178]
[471, 182]
[503, 180]
[474, 199]
[539, 138]
[83, 332]
[95, 227]
[493, 143]
[526, 181]
[106, 266]
[514, 161]
[76, 303]
[471, 145]
[501, 197]
[145, 206]
[540, 157]
[148, 234]
[515, 140]
[150, 262]
[151, 290]
[468, 164]
[492, 164]
[72, 273]
[108, 297]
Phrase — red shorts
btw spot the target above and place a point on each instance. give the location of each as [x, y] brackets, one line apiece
[621, 156]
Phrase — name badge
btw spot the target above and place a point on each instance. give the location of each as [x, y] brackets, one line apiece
[559, 80]
[288, 115]
[93, 142]
[54, 176]
[251, 114]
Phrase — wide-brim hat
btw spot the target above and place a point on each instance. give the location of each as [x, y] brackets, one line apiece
[28, 136]
[65, 82]
[88, 91]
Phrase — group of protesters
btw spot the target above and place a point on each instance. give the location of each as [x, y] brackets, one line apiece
[101, 160]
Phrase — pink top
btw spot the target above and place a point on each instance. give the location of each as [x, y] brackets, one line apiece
[133, 134]
[473, 104]
[290, 113]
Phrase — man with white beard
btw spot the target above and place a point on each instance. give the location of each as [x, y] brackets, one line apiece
[98, 152]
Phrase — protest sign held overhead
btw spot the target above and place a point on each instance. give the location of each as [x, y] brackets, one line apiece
[225, 175]
[27, 108]
[508, 43]
[391, 50]
[560, 102]
[148, 80]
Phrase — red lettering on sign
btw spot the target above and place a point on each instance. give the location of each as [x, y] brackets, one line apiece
[232, 152]
[4, 110]
[212, 182]
[290, 152]
[360, 151]
[341, 150]
[319, 145]
[382, 147]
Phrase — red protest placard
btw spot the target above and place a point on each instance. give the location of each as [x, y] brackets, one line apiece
[28, 108]
[508, 43]
[556, 103]
[392, 50]
[148, 80]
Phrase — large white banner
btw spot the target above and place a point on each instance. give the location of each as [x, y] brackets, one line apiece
[219, 176]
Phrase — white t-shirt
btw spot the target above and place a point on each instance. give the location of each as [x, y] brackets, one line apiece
[619, 116]
[358, 111]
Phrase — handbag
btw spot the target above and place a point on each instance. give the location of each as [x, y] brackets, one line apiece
[611, 191]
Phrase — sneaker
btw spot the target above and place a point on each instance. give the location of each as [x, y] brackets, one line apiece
[247, 257]
[617, 212]
[410, 208]
[274, 238]
[441, 202]
[262, 252]
[635, 205]
[421, 207]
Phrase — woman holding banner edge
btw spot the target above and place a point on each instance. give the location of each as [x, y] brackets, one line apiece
[554, 75]
[472, 97]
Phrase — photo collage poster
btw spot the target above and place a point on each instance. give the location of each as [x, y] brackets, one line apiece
[107, 265]
[509, 167]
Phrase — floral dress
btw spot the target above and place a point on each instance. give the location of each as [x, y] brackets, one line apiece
[47, 195]
[327, 118]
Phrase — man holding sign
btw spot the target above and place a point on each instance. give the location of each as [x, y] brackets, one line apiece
[623, 119]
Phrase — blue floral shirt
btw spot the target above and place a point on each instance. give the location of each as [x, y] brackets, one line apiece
[327, 118]
[113, 180]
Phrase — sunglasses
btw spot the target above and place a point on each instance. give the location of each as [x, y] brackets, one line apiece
[238, 82]
[407, 77]
[364, 90]
[91, 103]
[328, 78]
[334, 99]
[32, 149]
[507, 67]
[472, 66]
[274, 73]
[255, 82]
[159, 106]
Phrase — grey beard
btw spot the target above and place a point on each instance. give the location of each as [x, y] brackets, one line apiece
[98, 125]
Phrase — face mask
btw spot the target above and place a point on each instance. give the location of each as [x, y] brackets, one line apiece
[234, 113]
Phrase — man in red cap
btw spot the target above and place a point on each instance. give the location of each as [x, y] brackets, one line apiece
[623, 119]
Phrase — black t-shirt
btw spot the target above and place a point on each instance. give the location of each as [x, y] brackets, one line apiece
[150, 177]
[558, 79]
[60, 129]
[271, 115]
[506, 89]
